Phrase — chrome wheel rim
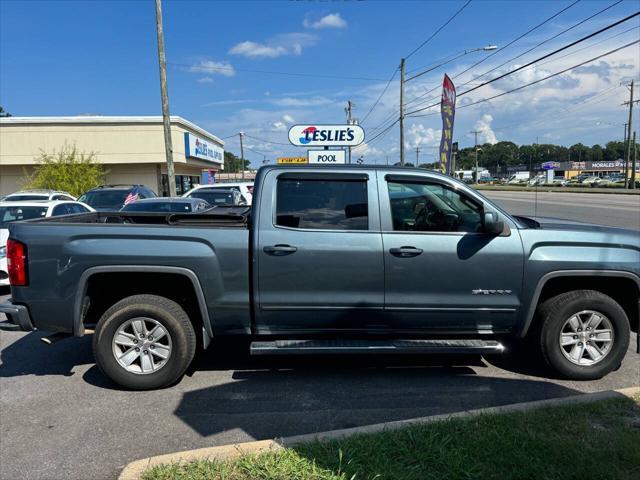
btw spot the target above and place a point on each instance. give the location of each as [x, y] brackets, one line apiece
[142, 345]
[586, 338]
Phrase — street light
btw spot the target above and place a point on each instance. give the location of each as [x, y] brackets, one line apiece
[486, 48]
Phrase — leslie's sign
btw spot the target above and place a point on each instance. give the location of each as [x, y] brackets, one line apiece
[326, 135]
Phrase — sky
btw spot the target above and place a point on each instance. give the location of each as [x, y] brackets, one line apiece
[262, 66]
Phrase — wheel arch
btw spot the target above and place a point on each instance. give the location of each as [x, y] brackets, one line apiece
[561, 281]
[81, 303]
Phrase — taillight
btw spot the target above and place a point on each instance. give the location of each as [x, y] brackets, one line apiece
[17, 263]
[250, 188]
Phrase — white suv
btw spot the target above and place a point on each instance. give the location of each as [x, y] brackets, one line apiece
[29, 195]
[245, 189]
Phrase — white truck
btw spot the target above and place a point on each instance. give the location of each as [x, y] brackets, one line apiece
[519, 177]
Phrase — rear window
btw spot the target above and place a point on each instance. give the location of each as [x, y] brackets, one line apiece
[173, 207]
[105, 198]
[322, 204]
[25, 197]
[15, 214]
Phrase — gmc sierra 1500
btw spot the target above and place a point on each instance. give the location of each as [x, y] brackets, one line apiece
[333, 260]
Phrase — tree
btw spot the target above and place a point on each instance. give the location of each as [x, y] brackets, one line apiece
[4, 113]
[67, 170]
[233, 164]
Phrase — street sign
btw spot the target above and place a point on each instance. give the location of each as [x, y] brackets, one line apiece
[282, 160]
[326, 157]
[326, 135]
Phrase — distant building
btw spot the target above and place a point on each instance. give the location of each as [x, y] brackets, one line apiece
[131, 148]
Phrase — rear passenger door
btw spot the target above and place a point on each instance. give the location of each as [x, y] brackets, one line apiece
[318, 254]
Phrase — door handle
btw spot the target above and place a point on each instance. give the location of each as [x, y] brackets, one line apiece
[279, 250]
[405, 252]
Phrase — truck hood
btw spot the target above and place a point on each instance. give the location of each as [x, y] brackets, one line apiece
[551, 223]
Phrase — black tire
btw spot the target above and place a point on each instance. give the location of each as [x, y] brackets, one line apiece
[552, 315]
[171, 316]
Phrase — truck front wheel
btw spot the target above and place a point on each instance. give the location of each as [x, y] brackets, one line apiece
[144, 342]
[584, 334]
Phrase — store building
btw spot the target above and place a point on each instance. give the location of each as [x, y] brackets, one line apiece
[130, 148]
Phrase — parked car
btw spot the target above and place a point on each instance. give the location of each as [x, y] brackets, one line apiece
[403, 259]
[602, 181]
[245, 189]
[14, 211]
[217, 196]
[590, 181]
[38, 194]
[106, 198]
[167, 205]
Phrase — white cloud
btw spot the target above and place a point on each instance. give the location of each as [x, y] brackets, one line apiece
[284, 44]
[288, 118]
[278, 127]
[483, 125]
[253, 49]
[205, 80]
[421, 135]
[333, 20]
[213, 68]
[301, 102]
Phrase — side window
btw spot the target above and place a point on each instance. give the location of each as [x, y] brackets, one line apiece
[75, 208]
[322, 204]
[65, 197]
[431, 207]
[60, 210]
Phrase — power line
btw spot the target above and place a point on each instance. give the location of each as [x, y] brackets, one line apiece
[520, 37]
[439, 29]
[266, 141]
[379, 134]
[544, 78]
[586, 47]
[483, 59]
[205, 69]
[511, 72]
[380, 97]
[553, 37]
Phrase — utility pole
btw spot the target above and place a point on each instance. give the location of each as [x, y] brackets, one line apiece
[166, 119]
[241, 154]
[629, 130]
[476, 132]
[417, 153]
[402, 111]
[348, 112]
[633, 164]
[387, 158]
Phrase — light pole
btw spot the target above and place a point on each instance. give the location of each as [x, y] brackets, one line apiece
[486, 48]
[476, 132]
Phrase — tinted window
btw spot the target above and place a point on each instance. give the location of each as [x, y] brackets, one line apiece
[112, 199]
[174, 207]
[322, 204]
[428, 207]
[25, 197]
[14, 214]
[76, 208]
[215, 197]
[60, 210]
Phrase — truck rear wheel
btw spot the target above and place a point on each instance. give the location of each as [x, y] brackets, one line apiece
[144, 342]
[584, 334]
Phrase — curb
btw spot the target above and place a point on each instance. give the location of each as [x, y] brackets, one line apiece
[134, 470]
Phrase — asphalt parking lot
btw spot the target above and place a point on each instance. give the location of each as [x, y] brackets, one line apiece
[61, 418]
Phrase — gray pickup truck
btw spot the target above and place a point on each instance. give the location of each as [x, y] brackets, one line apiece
[336, 260]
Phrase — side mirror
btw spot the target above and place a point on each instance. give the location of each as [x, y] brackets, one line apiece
[492, 225]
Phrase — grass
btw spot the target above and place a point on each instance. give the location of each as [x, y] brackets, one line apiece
[597, 440]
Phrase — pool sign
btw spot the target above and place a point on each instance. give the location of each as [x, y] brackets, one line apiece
[326, 157]
[326, 135]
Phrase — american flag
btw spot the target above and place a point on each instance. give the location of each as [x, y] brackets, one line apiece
[132, 197]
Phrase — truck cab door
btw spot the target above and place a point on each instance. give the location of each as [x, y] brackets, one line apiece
[443, 273]
[318, 252]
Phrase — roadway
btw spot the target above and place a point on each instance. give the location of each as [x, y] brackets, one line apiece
[616, 210]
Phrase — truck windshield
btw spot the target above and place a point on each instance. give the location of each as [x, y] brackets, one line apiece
[15, 214]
